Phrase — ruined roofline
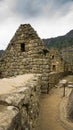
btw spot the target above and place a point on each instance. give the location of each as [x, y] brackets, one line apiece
[26, 28]
[22, 25]
[26, 32]
[23, 29]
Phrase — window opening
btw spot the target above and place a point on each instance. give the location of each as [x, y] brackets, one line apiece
[54, 67]
[22, 47]
[53, 57]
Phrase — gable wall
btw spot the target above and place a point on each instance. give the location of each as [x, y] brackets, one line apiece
[33, 60]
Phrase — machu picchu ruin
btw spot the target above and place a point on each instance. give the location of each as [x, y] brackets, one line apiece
[31, 77]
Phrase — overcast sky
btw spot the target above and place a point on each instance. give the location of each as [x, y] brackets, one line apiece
[50, 18]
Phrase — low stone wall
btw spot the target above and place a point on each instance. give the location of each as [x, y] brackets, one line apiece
[70, 106]
[54, 78]
[19, 102]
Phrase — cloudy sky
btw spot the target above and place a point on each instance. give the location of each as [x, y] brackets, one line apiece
[49, 18]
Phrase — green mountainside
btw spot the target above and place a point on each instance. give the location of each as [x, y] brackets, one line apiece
[60, 42]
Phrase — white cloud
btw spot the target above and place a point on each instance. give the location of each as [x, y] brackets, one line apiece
[48, 18]
[7, 30]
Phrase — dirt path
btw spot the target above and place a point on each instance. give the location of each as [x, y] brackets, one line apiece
[49, 109]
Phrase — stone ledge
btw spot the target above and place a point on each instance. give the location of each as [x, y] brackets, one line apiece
[7, 115]
[67, 124]
[20, 106]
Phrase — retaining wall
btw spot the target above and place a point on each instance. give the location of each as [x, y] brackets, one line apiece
[19, 102]
[70, 106]
[54, 78]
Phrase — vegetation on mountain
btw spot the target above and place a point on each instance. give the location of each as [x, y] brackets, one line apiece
[60, 42]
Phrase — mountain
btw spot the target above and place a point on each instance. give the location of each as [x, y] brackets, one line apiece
[60, 42]
[1, 52]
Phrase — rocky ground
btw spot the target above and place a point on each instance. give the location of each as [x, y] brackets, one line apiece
[49, 108]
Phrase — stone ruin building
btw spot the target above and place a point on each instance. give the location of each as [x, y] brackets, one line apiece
[67, 54]
[25, 54]
[57, 62]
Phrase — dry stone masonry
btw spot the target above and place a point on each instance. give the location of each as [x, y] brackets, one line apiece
[19, 102]
[70, 106]
[26, 54]
[54, 78]
[57, 62]
[19, 95]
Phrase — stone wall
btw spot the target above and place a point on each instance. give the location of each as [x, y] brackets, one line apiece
[19, 102]
[70, 106]
[25, 54]
[54, 78]
[57, 62]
